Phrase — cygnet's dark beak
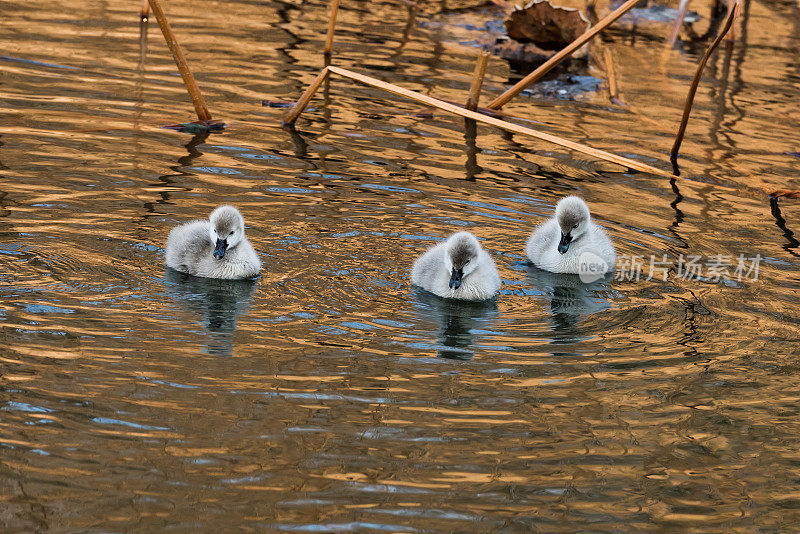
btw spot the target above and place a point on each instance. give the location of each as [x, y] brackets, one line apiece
[219, 250]
[455, 278]
[563, 245]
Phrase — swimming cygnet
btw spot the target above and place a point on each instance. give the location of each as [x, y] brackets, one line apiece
[571, 243]
[458, 268]
[216, 248]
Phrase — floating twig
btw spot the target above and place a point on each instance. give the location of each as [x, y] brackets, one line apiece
[331, 28]
[183, 67]
[477, 82]
[196, 127]
[545, 67]
[145, 13]
[293, 113]
[687, 108]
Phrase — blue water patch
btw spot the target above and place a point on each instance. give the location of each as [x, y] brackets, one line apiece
[352, 233]
[216, 170]
[486, 205]
[32, 62]
[41, 308]
[396, 324]
[24, 407]
[422, 237]
[392, 188]
[172, 384]
[357, 325]
[290, 190]
[327, 176]
[258, 156]
[149, 248]
[107, 421]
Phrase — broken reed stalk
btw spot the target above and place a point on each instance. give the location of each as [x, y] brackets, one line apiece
[676, 28]
[687, 108]
[145, 10]
[290, 117]
[457, 110]
[613, 90]
[180, 60]
[477, 82]
[545, 67]
[331, 28]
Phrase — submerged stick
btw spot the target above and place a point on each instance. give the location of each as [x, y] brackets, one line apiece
[451, 108]
[477, 82]
[545, 67]
[331, 28]
[290, 117]
[687, 108]
[180, 60]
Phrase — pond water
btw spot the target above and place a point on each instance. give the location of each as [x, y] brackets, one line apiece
[329, 395]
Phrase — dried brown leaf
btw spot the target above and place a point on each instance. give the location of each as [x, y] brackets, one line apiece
[549, 27]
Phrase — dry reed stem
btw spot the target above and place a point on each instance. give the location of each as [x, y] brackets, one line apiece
[290, 117]
[545, 67]
[145, 13]
[613, 90]
[676, 27]
[687, 108]
[180, 60]
[734, 5]
[477, 82]
[331, 27]
[451, 108]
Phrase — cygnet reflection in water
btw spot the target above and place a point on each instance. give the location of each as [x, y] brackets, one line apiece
[457, 322]
[571, 300]
[217, 301]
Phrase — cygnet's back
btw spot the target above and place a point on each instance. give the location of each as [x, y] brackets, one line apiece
[216, 248]
[458, 268]
[571, 242]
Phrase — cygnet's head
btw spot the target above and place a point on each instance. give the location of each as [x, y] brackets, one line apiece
[227, 229]
[573, 218]
[462, 256]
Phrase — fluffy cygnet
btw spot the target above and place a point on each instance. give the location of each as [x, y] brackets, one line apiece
[571, 243]
[216, 248]
[458, 268]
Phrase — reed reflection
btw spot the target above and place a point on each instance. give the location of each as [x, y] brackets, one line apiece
[571, 301]
[217, 302]
[458, 322]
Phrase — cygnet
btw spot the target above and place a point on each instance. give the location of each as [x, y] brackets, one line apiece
[458, 268]
[216, 248]
[571, 243]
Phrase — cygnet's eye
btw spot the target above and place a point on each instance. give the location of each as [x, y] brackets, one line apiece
[468, 260]
[231, 233]
[576, 225]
